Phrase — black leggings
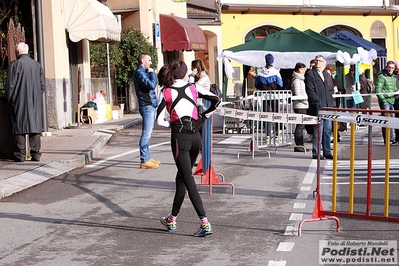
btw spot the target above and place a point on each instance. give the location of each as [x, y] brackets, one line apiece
[185, 149]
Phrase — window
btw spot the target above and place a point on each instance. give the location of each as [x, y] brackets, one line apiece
[261, 32]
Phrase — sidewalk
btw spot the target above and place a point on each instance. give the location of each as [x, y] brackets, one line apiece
[62, 151]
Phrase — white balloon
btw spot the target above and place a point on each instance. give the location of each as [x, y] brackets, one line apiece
[355, 59]
[373, 54]
[340, 57]
[347, 59]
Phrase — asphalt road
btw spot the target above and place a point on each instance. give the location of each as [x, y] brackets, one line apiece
[107, 213]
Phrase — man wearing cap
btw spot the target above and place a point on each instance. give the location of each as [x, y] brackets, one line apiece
[268, 78]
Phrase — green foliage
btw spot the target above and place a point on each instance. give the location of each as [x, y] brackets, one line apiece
[98, 60]
[123, 54]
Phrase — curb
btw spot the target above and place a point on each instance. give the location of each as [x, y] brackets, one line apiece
[48, 171]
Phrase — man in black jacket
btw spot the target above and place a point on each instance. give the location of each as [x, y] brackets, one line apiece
[24, 89]
[319, 96]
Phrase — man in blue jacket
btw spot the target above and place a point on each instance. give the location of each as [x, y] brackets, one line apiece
[268, 78]
[319, 96]
[145, 83]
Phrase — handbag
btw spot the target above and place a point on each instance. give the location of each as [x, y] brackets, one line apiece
[215, 90]
[342, 126]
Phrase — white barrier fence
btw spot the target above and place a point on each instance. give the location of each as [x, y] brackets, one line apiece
[272, 117]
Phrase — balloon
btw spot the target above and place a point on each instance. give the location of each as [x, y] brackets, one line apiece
[340, 56]
[373, 54]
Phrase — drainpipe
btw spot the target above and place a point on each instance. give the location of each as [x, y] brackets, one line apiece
[109, 92]
[40, 54]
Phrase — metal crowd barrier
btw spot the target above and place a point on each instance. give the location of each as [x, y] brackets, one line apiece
[356, 117]
[271, 119]
[272, 134]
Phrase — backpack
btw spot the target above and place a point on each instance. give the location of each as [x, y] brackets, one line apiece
[370, 86]
[287, 86]
[215, 90]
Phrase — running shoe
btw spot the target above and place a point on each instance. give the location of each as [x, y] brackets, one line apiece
[204, 230]
[171, 226]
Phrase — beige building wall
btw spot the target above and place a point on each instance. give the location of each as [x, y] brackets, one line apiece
[213, 37]
[56, 65]
[147, 15]
[62, 91]
[129, 10]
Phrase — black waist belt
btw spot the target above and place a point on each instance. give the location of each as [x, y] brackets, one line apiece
[186, 125]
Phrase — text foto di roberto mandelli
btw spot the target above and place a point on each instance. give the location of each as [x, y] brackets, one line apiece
[355, 251]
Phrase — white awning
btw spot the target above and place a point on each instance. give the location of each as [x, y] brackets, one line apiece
[89, 19]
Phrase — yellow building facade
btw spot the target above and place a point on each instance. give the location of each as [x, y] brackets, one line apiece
[373, 24]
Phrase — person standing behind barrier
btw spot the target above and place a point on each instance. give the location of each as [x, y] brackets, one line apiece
[337, 88]
[24, 89]
[268, 78]
[309, 128]
[300, 106]
[145, 83]
[385, 89]
[319, 96]
[334, 84]
[200, 77]
[396, 104]
[350, 87]
[179, 98]
[364, 89]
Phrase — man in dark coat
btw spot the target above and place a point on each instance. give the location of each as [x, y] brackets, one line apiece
[319, 96]
[25, 87]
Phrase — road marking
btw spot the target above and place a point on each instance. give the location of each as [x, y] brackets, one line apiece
[311, 173]
[235, 140]
[361, 162]
[359, 183]
[296, 216]
[291, 230]
[299, 205]
[374, 177]
[121, 155]
[276, 263]
[285, 246]
[360, 172]
[302, 196]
